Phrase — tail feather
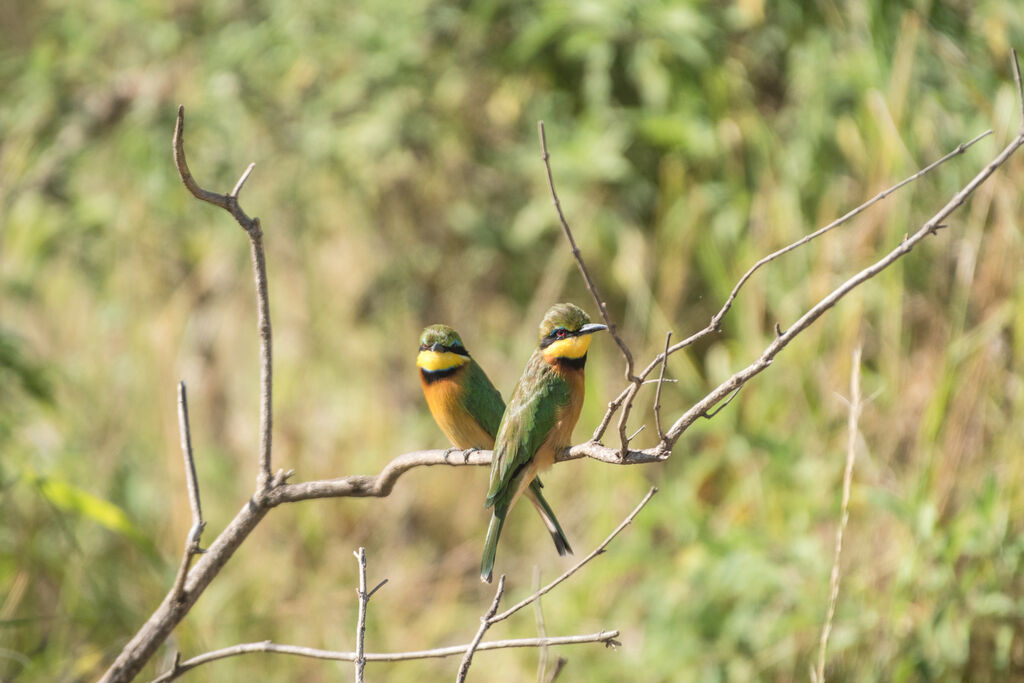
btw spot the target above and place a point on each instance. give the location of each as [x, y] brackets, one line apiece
[491, 546]
[548, 516]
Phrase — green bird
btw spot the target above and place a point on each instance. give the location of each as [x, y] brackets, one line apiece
[468, 408]
[539, 419]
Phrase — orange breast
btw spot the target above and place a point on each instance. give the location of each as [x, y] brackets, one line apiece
[461, 428]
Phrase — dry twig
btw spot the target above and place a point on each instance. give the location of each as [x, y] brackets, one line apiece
[192, 547]
[364, 600]
[267, 646]
[252, 227]
[485, 623]
[628, 394]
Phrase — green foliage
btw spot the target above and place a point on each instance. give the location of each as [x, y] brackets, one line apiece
[399, 182]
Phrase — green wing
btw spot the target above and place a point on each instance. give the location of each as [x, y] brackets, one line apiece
[481, 400]
[529, 418]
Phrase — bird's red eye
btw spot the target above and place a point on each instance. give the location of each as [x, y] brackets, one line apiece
[560, 334]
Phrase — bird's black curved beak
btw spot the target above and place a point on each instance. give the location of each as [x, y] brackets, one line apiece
[590, 328]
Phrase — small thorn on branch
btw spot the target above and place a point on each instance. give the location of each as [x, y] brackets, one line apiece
[778, 330]
[934, 230]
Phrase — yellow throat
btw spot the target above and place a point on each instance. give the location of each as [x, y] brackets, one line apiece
[432, 361]
[573, 347]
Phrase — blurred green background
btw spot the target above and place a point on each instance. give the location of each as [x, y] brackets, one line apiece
[399, 181]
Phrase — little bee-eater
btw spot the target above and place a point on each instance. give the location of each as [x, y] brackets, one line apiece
[540, 416]
[468, 408]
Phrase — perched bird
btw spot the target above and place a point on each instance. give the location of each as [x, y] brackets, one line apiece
[540, 416]
[468, 408]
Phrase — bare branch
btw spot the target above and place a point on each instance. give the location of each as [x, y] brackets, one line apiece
[485, 623]
[491, 618]
[373, 486]
[606, 637]
[572, 570]
[851, 451]
[657, 394]
[229, 202]
[629, 393]
[364, 599]
[190, 464]
[192, 483]
[602, 307]
[155, 631]
[960, 149]
[780, 342]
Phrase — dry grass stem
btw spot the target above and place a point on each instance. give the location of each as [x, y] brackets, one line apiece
[851, 449]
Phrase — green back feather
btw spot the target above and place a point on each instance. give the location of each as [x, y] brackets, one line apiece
[530, 416]
[480, 399]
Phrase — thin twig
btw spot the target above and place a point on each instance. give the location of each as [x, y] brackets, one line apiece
[266, 646]
[589, 281]
[491, 618]
[252, 227]
[485, 623]
[361, 620]
[1015, 63]
[185, 434]
[851, 451]
[601, 305]
[572, 570]
[720, 408]
[629, 392]
[192, 547]
[635, 434]
[773, 349]
[241, 180]
[657, 394]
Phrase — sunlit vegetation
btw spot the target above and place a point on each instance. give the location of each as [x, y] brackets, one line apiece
[399, 182]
